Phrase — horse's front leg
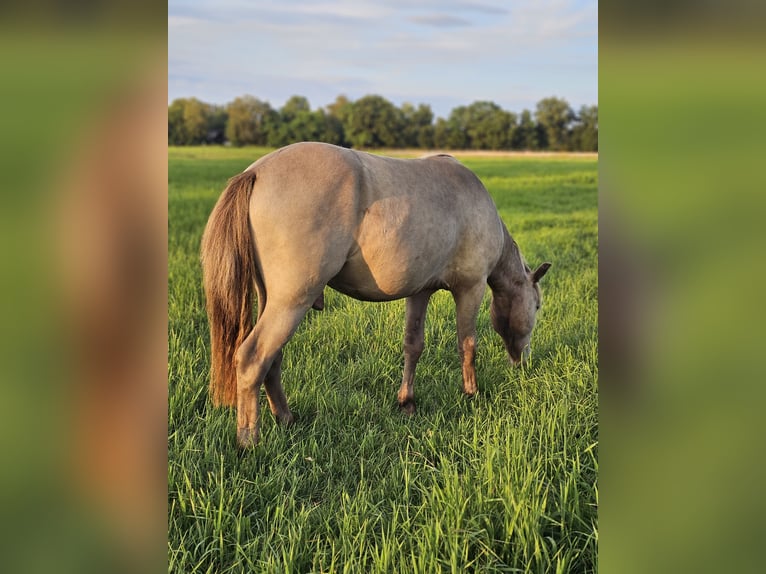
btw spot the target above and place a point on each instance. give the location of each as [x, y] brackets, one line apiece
[467, 302]
[415, 318]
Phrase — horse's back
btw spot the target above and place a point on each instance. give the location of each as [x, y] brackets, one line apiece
[373, 227]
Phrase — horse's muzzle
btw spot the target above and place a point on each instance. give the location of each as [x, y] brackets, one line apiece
[523, 359]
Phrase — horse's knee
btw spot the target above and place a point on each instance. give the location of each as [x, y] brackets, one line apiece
[413, 346]
[413, 353]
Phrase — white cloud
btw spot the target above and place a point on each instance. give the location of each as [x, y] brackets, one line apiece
[431, 51]
[440, 20]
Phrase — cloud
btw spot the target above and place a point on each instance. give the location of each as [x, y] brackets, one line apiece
[181, 21]
[279, 11]
[447, 6]
[476, 7]
[440, 21]
[441, 52]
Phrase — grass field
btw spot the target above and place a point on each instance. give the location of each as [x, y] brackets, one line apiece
[503, 482]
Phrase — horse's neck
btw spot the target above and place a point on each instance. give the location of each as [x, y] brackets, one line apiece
[509, 272]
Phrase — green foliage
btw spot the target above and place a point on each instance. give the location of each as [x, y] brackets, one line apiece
[485, 125]
[217, 120]
[195, 120]
[449, 134]
[298, 123]
[374, 122]
[417, 130]
[503, 482]
[525, 134]
[250, 121]
[294, 106]
[192, 122]
[333, 130]
[585, 132]
[176, 128]
[556, 117]
[340, 108]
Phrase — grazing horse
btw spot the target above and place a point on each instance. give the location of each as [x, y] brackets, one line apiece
[374, 228]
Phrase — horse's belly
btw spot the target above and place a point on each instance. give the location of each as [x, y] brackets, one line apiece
[369, 280]
[363, 292]
[402, 247]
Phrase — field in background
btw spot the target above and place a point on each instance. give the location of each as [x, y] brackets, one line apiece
[506, 481]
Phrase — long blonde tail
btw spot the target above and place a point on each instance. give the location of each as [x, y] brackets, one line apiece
[228, 269]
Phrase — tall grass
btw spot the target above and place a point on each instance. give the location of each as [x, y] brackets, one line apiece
[503, 482]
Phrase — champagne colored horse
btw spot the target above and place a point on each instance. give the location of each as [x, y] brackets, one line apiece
[371, 227]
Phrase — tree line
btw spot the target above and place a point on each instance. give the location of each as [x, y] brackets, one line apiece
[374, 122]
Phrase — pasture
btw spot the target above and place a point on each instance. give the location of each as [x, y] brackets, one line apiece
[503, 482]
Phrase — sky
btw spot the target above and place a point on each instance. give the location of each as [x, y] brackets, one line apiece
[445, 53]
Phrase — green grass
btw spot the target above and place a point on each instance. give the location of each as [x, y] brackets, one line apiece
[503, 482]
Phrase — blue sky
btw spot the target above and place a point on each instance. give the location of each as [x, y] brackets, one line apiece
[440, 52]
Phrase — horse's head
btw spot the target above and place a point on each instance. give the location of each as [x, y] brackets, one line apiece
[513, 312]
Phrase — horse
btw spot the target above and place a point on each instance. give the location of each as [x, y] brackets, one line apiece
[374, 228]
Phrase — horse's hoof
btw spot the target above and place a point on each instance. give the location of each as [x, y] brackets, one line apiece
[470, 393]
[287, 419]
[408, 407]
[247, 437]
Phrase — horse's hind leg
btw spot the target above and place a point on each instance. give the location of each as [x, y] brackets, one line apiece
[255, 358]
[275, 394]
[415, 315]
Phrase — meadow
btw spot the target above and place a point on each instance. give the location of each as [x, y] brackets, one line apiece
[503, 482]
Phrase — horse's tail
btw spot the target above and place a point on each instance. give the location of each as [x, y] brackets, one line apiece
[229, 274]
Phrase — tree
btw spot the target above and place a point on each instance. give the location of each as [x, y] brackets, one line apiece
[250, 121]
[448, 134]
[305, 125]
[481, 125]
[488, 126]
[585, 130]
[294, 106]
[417, 126]
[525, 135]
[340, 108]
[188, 121]
[555, 116]
[195, 120]
[176, 127]
[294, 123]
[373, 122]
[337, 115]
[216, 124]
[333, 130]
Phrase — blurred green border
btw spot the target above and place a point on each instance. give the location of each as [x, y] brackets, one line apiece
[682, 188]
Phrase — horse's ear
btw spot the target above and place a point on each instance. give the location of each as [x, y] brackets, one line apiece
[540, 271]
